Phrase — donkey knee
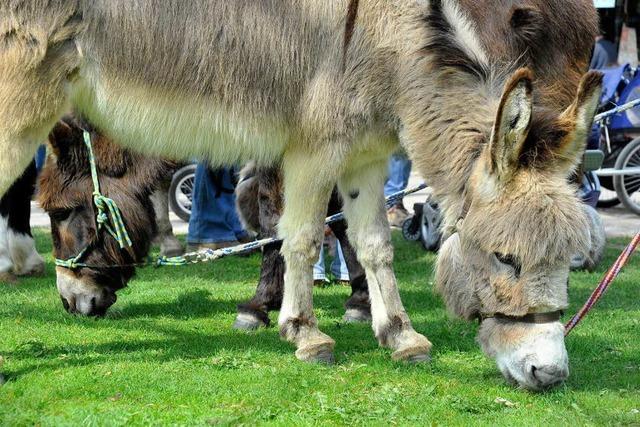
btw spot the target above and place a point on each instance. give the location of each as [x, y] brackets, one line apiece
[373, 250]
[302, 249]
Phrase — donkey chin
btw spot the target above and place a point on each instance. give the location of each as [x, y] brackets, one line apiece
[531, 356]
[81, 296]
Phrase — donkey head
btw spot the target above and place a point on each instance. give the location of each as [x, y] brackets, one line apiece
[508, 262]
[66, 193]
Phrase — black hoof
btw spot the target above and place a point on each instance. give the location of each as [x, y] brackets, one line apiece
[247, 322]
[357, 315]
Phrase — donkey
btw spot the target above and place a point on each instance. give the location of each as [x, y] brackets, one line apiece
[66, 192]
[323, 89]
[18, 255]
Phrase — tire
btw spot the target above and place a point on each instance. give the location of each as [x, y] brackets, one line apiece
[627, 186]
[181, 191]
[409, 232]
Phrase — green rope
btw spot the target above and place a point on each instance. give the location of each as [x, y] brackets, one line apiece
[175, 261]
[108, 215]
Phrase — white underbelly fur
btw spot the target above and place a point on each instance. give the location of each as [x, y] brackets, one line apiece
[177, 127]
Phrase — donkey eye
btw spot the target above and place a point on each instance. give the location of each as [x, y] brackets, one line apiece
[60, 214]
[509, 260]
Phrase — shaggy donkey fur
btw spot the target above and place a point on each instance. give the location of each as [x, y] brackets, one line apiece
[278, 81]
[259, 203]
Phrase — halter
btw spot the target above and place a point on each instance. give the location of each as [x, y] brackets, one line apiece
[531, 318]
[534, 318]
[107, 212]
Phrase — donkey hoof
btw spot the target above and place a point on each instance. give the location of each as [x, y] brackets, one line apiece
[2, 381]
[412, 355]
[8, 278]
[35, 271]
[419, 358]
[317, 353]
[357, 315]
[247, 322]
[171, 249]
[415, 349]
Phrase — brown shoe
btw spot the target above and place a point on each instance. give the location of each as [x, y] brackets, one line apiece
[396, 215]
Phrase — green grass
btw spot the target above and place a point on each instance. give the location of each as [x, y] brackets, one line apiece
[166, 355]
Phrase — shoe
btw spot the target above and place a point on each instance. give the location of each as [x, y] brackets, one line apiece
[397, 214]
[321, 283]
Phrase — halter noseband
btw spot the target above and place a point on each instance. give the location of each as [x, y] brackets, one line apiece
[533, 318]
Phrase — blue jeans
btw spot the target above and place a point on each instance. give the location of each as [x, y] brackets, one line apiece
[41, 156]
[213, 211]
[399, 172]
[338, 265]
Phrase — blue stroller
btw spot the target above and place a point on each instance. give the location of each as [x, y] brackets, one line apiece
[618, 139]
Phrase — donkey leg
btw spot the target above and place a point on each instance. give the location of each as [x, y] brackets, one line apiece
[18, 255]
[169, 244]
[369, 232]
[357, 307]
[268, 296]
[255, 313]
[306, 194]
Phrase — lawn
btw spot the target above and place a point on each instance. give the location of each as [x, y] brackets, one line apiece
[166, 355]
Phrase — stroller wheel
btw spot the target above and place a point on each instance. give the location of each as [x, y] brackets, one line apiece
[627, 186]
[181, 191]
[410, 231]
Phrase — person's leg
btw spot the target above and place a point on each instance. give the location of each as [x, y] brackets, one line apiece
[339, 265]
[227, 201]
[319, 274]
[41, 157]
[399, 170]
[209, 224]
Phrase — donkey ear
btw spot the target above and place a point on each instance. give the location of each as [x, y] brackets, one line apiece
[512, 123]
[578, 118]
[59, 138]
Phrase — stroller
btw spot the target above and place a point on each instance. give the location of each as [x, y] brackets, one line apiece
[617, 138]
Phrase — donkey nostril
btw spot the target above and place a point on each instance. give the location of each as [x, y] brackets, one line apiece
[547, 376]
[65, 303]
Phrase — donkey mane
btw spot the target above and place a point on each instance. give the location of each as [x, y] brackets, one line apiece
[447, 48]
[349, 27]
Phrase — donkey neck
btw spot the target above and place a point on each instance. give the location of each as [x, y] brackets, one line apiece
[445, 132]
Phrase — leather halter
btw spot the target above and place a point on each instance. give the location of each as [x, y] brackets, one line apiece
[534, 318]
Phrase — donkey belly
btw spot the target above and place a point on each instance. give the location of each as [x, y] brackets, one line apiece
[178, 126]
[205, 78]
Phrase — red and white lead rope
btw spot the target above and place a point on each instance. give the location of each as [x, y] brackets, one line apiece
[604, 284]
